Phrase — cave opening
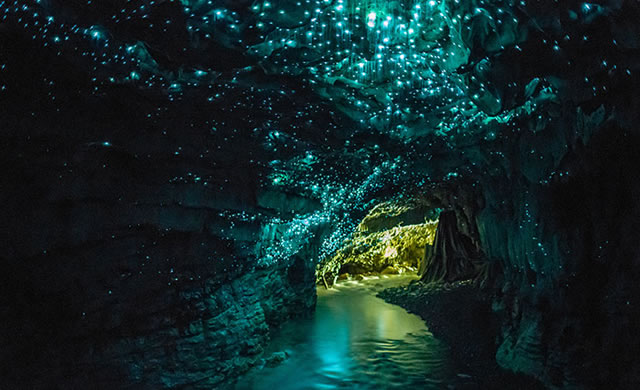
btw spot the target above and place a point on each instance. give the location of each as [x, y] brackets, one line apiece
[391, 239]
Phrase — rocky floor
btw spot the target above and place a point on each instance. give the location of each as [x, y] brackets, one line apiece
[460, 315]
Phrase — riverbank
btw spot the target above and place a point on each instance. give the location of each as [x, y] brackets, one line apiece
[356, 340]
[460, 315]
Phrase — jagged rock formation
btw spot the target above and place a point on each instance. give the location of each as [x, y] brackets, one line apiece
[451, 256]
[129, 276]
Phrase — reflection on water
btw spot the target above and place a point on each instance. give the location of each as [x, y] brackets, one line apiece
[356, 340]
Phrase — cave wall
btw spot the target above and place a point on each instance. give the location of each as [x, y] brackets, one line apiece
[569, 263]
[552, 202]
[114, 278]
[116, 273]
[556, 209]
[135, 251]
[557, 251]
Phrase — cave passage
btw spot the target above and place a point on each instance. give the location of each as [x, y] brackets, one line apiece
[183, 178]
[356, 340]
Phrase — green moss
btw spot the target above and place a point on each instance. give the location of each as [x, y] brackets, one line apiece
[393, 234]
[401, 245]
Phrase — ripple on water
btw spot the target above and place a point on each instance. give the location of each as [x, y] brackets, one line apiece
[355, 340]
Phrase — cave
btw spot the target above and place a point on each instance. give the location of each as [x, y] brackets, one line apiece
[244, 194]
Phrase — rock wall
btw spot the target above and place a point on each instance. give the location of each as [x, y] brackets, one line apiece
[551, 203]
[558, 252]
[115, 275]
[451, 256]
[569, 263]
[137, 239]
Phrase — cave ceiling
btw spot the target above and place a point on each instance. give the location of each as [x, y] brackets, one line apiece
[346, 102]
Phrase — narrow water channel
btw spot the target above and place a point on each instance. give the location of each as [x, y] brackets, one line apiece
[355, 340]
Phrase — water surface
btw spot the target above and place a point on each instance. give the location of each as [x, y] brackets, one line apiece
[355, 340]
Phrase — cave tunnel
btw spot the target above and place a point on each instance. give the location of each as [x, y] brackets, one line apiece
[310, 194]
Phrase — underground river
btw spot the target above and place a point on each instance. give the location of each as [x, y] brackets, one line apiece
[356, 340]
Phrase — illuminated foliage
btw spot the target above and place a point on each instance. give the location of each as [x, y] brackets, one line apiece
[381, 240]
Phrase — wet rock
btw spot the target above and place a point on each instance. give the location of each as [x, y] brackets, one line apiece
[450, 257]
[276, 358]
[473, 344]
